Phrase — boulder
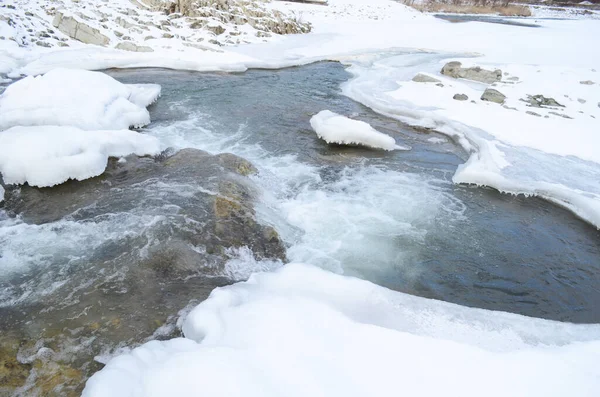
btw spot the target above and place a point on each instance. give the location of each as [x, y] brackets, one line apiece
[539, 101]
[130, 46]
[423, 78]
[493, 95]
[79, 30]
[454, 69]
[586, 82]
[460, 97]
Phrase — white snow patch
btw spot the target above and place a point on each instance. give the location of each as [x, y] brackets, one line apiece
[302, 331]
[1, 193]
[78, 98]
[335, 128]
[50, 155]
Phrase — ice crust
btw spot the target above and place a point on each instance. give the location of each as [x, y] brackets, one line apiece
[303, 331]
[335, 128]
[50, 155]
[77, 98]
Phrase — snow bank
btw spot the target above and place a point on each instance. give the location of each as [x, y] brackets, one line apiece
[78, 98]
[302, 331]
[50, 155]
[334, 128]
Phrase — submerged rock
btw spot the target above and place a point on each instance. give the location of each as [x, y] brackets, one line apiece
[196, 210]
[493, 95]
[455, 69]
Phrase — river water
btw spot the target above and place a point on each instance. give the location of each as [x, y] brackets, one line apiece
[393, 218]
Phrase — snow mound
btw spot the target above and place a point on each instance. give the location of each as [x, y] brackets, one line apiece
[78, 98]
[335, 128]
[302, 331]
[49, 155]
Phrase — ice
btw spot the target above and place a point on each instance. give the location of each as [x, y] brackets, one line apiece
[335, 128]
[303, 331]
[50, 155]
[77, 98]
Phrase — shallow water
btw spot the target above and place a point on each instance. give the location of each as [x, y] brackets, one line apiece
[392, 218]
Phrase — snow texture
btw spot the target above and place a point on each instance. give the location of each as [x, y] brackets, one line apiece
[334, 128]
[302, 331]
[49, 155]
[77, 98]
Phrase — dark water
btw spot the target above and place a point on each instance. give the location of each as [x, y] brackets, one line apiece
[484, 249]
[513, 21]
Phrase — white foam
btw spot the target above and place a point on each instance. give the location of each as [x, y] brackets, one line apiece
[78, 98]
[335, 128]
[302, 331]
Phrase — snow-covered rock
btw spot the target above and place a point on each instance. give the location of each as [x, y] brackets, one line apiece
[79, 30]
[78, 98]
[302, 331]
[334, 128]
[476, 73]
[50, 155]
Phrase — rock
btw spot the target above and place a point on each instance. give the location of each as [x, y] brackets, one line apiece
[196, 210]
[493, 95]
[167, 36]
[513, 78]
[582, 101]
[587, 82]
[79, 30]
[455, 69]
[533, 113]
[564, 116]
[130, 46]
[62, 44]
[43, 44]
[538, 101]
[460, 97]
[423, 78]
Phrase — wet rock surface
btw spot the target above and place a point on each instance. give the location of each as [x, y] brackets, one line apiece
[198, 209]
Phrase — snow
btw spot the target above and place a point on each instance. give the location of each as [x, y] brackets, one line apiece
[303, 331]
[334, 128]
[78, 98]
[50, 155]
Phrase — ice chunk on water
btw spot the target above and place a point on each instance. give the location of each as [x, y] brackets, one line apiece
[78, 98]
[50, 155]
[334, 128]
[302, 331]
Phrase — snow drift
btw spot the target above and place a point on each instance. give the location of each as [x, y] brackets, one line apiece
[303, 331]
[50, 155]
[334, 128]
[78, 98]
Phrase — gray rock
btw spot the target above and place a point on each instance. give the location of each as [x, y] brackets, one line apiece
[582, 101]
[587, 82]
[533, 113]
[564, 116]
[455, 69]
[130, 46]
[493, 95]
[460, 97]
[423, 78]
[79, 30]
[540, 101]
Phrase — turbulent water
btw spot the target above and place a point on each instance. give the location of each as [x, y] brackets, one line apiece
[392, 218]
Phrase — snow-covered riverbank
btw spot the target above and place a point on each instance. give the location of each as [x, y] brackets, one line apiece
[310, 331]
